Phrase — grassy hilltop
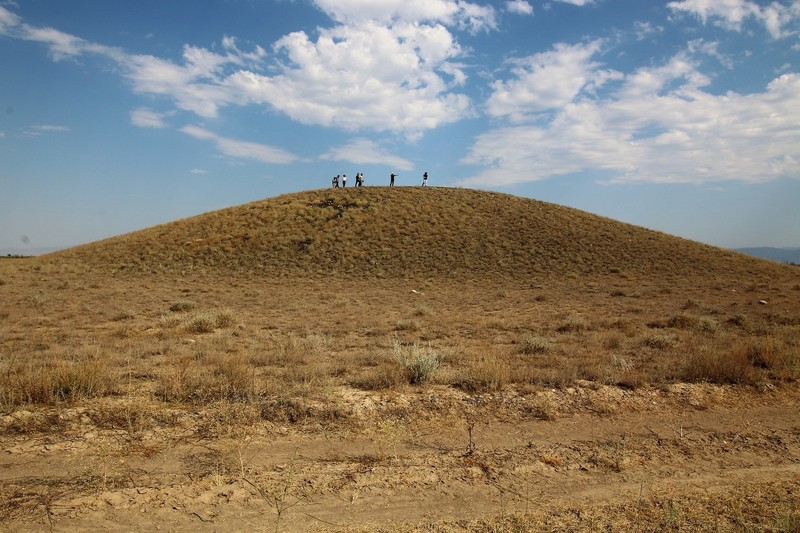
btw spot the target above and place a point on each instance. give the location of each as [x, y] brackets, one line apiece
[407, 232]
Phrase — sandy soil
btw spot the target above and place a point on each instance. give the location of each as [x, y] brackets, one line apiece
[416, 457]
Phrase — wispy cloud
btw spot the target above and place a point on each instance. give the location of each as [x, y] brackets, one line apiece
[242, 149]
[366, 152]
[452, 13]
[147, 118]
[42, 129]
[776, 17]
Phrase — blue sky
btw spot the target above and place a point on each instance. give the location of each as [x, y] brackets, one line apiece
[681, 116]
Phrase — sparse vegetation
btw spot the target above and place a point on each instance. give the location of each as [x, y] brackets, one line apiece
[365, 335]
[419, 363]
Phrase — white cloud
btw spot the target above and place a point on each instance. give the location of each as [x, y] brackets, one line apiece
[547, 81]
[520, 7]
[576, 2]
[198, 171]
[366, 152]
[147, 118]
[731, 14]
[398, 76]
[452, 13]
[658, 125]
[370, 76]
[8, 20]
[242, 149]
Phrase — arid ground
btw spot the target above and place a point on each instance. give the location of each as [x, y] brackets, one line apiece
[144, 387]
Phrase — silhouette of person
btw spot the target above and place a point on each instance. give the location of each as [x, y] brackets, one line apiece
[344, 180]
[425, 180]
[335, 182]
[391, 179]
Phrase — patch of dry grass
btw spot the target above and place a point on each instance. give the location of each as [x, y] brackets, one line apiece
[745, 507]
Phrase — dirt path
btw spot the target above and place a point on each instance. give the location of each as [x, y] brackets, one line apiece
[454, 466]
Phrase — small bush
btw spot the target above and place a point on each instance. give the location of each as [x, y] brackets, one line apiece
[660, 341]
[739, 319]
[572, 324]
[682, 321]
[224, 318]
[420, 364]
[182, 306]
[169, 321]
[707, 325]
[772, 355]
[201, 323]
[408, 325]
[708, 364]
[486, 374]
[55, 380]
[534, 344]
[704, 324]
[386, 375]
[422, 310]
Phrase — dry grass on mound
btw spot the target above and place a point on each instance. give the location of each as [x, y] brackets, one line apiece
[404, 233]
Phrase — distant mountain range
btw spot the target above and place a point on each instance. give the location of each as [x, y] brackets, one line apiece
[784, 255]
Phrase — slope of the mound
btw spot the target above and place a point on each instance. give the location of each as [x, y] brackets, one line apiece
[381, 231]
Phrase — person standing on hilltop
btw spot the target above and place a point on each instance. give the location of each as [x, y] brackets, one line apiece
[391, 179]
[344, 180]
[425, 179]
[335, 182]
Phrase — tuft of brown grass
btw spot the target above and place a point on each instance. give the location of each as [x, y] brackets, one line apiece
[706, 363]
[490, 373]
[55, 378]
